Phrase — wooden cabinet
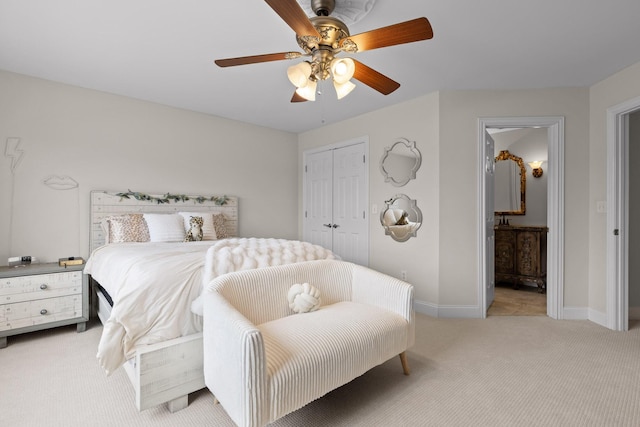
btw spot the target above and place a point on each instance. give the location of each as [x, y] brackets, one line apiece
[41, 296]
[521, 255]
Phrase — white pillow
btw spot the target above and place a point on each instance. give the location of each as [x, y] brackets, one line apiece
[303, 298]
[165, 227]
[208, 230]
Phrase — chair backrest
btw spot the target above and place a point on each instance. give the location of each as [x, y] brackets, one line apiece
[261, 294]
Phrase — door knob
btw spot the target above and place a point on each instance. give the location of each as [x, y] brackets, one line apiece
[335, 226]
[327, 225]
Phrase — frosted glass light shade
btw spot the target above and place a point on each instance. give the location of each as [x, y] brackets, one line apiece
[343, 89]
[536, 164]
[308, 92]
[342, 69]
[299, 74]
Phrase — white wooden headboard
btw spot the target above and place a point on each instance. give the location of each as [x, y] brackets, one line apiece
[106, 203]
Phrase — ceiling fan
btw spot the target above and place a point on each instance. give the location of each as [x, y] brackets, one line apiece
[322, 38]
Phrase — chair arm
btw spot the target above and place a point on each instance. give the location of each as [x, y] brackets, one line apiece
[375, 288]
[384, 291]
[234, 362]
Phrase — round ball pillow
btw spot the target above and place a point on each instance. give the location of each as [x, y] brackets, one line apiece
[303, 298]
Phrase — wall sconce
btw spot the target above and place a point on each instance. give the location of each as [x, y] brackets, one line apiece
[536, 168]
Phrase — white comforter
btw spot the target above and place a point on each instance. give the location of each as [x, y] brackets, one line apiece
[153, 285]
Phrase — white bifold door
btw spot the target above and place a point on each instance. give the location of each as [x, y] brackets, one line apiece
[336, 197]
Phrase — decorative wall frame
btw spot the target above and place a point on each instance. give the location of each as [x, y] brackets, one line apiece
[400, 162]
[401, 218]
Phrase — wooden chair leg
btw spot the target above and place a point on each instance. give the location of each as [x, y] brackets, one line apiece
[405, 364]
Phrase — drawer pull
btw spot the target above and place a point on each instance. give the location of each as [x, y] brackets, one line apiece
[43, 286]
[43, 311]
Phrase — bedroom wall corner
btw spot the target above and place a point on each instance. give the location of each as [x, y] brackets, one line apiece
[108, 142]
[459, 111]
[6, 186]
[614, 90]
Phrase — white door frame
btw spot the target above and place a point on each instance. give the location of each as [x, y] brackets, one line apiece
[618, 214]
[555, 207]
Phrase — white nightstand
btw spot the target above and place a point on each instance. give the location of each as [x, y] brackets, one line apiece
[41, 296]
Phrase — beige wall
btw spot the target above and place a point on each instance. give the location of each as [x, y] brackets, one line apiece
[453, 282]
[415, 120]
[616, 89]
[459, 113]
[444, 125]
[108, 142]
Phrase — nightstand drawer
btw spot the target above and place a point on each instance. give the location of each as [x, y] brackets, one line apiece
[42, 296]
[26, 288]
[29, 313]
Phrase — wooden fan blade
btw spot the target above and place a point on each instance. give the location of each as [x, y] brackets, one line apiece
[374, 79]
[404, 32]
[297, 98]
[243, 60]
[291, 13]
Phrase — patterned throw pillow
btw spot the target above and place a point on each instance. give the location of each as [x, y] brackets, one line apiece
[221, 229]
[127, 228]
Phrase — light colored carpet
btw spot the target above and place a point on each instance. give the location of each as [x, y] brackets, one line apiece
[500, 371]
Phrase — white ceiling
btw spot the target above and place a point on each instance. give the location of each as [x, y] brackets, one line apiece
[163, 51]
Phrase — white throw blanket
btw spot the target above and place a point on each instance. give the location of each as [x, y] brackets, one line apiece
[238, 254]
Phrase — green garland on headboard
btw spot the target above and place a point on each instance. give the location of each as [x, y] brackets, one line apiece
[167, 198]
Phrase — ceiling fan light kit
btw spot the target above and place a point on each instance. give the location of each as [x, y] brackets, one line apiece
[299, 74]
[308, 91]
[343, 89]
[322, 38]
[342, 69]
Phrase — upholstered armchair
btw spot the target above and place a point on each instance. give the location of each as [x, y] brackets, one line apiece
[262, 360]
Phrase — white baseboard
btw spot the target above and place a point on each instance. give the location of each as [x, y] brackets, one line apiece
[447, 311]
[425, 308]
[474, 312]
[575, 313]
[598, 317]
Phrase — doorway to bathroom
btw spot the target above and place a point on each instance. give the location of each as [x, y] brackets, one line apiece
[520, 227]
[554, 128]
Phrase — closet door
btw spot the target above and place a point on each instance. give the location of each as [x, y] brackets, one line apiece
[350, 222]
[336, 200]
[318, 214]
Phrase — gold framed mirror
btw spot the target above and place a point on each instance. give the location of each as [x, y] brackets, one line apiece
[510, 182]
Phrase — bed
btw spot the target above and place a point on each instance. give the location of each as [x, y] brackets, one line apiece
[147, 292]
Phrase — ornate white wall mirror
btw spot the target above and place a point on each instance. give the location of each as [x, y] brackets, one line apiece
[402, 218]
[400, 162]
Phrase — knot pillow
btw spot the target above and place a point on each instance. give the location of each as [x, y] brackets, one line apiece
[303, 298]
